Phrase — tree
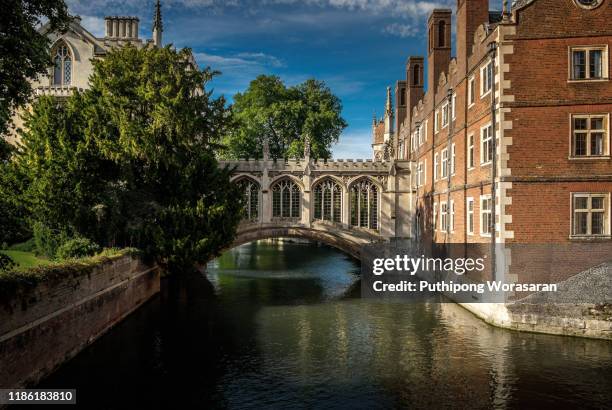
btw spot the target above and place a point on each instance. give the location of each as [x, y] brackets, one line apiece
[129, 162]
[24, 52]
[284, 116]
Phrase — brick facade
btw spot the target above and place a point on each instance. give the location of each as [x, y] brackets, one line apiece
[536, 98]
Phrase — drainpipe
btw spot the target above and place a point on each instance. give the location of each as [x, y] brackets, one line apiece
[493, 55]
[449, 96]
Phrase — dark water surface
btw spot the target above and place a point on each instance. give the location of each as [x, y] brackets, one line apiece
[281, 325]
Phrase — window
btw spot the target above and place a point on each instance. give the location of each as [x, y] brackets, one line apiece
[364, 204]
[452, 159]
[444, 163]
[444, 216]
[435, 216]
[591, 214]
[445, 115]
[328, 201]
[470, 151]
[286, 197]
[437, 121]
[435, 167]
[250, 190]
[485, 215]
[441, 33]
[62, 69]
[415, 75]
[486, 144]
[486, 79]
[454, 106]
[589, 63]
[420, 180]
[452, 216]
[422, 133]
[469, 206]
[403, 96]
[471, 91]
[590, 135]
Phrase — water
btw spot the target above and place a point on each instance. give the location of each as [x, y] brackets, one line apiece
[281, 325]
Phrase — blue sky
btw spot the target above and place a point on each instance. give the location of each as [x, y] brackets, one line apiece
[357, 47]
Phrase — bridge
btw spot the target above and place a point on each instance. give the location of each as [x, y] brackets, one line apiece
[342, 203]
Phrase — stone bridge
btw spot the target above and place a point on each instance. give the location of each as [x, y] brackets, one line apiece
[343, 203]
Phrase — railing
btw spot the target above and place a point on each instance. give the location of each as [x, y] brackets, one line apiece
[56, 90]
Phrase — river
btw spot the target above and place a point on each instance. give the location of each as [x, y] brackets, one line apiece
[282, 325]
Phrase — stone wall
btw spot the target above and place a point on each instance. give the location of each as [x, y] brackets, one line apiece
[42, 327]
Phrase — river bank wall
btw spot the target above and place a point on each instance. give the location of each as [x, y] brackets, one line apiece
[44, 325]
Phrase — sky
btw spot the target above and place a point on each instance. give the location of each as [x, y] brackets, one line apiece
[358, 47]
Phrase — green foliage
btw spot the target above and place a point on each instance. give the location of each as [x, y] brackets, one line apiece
[130, 161]
[6, 262]
[27, 246]
[285, 116]
[24, 51]
[48, 240]
[77, 248]
[13, 226]
[26, 259]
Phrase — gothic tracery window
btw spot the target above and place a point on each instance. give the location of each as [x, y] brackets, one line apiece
[364, 204]
[62, 69]
[250, 190]
[328, 201]
[286, 197]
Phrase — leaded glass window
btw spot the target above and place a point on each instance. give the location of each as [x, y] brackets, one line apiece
[286, 197]
[364, 204]
[62, 70]
[328, 201]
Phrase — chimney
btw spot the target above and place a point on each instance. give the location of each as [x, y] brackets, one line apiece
[470, 15]
[439, 50]
[400, 106]
[121, 28]
[414, 80]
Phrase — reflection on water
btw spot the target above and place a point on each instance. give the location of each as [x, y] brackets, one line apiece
[281, 325]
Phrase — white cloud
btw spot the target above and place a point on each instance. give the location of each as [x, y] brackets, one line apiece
[401, 30]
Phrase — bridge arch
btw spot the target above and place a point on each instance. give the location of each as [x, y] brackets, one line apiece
[345, 240]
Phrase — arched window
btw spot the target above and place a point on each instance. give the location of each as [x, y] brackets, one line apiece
[328, 201]
[286, 196]
[441, 33]
[364, 204]
[250, 190]
[62, 69]
[415, 74]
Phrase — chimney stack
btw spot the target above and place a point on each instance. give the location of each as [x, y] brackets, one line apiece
[439, 50]
[121, 28]
[470, 15]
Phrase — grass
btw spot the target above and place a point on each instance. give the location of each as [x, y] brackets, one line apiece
[26, 259]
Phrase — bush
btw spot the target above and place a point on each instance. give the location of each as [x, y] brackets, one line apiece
[77, 248]
[6, 262]
[48, 240]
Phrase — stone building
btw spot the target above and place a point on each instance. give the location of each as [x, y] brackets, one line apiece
[73, 53]
[510, 143]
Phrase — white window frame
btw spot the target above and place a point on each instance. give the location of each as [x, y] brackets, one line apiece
[452, 215]
[589, 210]
[587, 49]
[470, 152]
[436, 162]
[454, 106]
[489, 139]
[484, 198]
[471, 91]
[588, 132]
[445, 115]
[453, 159]
[444, 163]
[444, 216]
[419, 180]
[469, 216]
[437, 121]
[435, 216]
[484, 76]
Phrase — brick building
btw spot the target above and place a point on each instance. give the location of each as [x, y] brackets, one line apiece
[524, 107]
